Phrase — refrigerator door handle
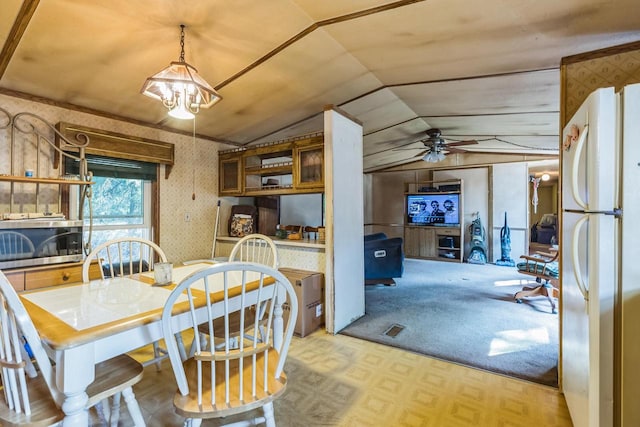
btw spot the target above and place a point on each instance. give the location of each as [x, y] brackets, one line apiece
[576, 167]
[576, 259]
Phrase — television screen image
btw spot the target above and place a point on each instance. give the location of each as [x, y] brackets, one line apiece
[433, 209]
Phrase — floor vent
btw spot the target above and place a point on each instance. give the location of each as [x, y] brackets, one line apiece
[393, 330]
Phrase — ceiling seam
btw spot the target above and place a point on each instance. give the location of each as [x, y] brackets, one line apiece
[311, 28]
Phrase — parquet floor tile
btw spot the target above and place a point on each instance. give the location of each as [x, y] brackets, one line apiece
[344, 381]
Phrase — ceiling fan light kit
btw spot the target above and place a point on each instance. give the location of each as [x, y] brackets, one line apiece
[436, 145]
[180, 88]
[434, 157]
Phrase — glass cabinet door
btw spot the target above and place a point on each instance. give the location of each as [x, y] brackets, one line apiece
[230, 182]
[310, 167]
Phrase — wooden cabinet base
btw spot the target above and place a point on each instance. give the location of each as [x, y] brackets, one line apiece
[24, 279]
[435, 243]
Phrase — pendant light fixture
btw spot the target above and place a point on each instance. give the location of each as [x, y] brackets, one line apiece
[180, 88]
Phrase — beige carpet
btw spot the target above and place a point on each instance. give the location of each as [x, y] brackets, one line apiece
[465, 313]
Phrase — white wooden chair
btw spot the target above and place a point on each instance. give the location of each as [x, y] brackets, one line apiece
[15, 245]
[256, 248]
[30, 395]
[225, 381]
[127, 256]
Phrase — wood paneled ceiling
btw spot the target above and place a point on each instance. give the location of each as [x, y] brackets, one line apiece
[487, 70]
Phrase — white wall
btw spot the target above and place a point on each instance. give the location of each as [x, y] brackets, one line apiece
[301, 209]
[345, 216]
[510, 181]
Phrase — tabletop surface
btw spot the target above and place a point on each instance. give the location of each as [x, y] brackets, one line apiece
[76, 313]
[101, 301]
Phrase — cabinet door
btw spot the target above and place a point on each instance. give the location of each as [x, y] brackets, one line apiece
[309, 168]
[419, 242]
[230, 176]
[428, 245]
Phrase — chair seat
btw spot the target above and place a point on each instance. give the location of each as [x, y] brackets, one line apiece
[188, 407]
[112, 376]
[550, 269]
[44, 411]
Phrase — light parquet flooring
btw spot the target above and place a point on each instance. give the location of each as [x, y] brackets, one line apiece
[343, 381]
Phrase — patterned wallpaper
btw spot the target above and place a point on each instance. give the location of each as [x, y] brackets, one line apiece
[582, 78]
[310, 259]
[195, 171]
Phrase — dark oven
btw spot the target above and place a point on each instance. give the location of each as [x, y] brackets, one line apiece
[28, 242]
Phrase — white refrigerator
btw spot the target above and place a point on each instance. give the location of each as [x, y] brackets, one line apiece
[600, 186]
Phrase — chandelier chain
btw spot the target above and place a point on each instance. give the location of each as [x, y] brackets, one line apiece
[182, 43]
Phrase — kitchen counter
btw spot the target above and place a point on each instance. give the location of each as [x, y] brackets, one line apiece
[302, 243]
[304, 254]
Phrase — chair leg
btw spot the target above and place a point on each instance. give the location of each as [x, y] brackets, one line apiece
[133, 407]
[181, 349]
[203, 343]
[269, 417]
[102, 408]
[545, 289]
[157, 354]
[115, 411]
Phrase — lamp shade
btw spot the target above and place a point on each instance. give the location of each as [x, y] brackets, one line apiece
[433, 157]
[180, 88]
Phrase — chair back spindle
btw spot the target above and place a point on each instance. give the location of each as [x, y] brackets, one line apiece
[255, 248]
[123, 257]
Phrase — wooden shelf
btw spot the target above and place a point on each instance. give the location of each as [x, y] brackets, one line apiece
[33, 180]
[270, 170]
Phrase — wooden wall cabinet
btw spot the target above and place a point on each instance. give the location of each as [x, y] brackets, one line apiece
[309, 171]
[433, 243]
[282, 167]
[230, 173]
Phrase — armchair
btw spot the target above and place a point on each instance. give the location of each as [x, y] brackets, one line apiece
[383, 259]
[546, 230]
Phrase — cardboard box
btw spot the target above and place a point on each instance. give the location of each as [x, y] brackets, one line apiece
[309, 287]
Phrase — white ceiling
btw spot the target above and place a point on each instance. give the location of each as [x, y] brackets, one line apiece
[475, 69]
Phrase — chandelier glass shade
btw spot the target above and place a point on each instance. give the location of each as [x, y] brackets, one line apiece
[180, 88]
[434, 156]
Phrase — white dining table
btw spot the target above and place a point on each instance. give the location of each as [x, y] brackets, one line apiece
[84, 324]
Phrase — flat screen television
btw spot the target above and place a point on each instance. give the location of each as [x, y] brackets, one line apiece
[433, 209]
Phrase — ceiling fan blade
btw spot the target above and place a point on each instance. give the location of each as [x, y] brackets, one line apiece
[459, 143]
[407, 148]
[422, 153]
[451, 150]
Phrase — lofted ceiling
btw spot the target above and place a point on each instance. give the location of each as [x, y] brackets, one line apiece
[484, 70]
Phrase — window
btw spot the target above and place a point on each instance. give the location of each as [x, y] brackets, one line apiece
[121, 199]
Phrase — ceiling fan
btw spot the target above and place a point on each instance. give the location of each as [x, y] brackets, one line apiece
[438, 147]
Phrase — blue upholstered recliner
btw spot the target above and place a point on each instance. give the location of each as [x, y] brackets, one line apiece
[383, 258]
